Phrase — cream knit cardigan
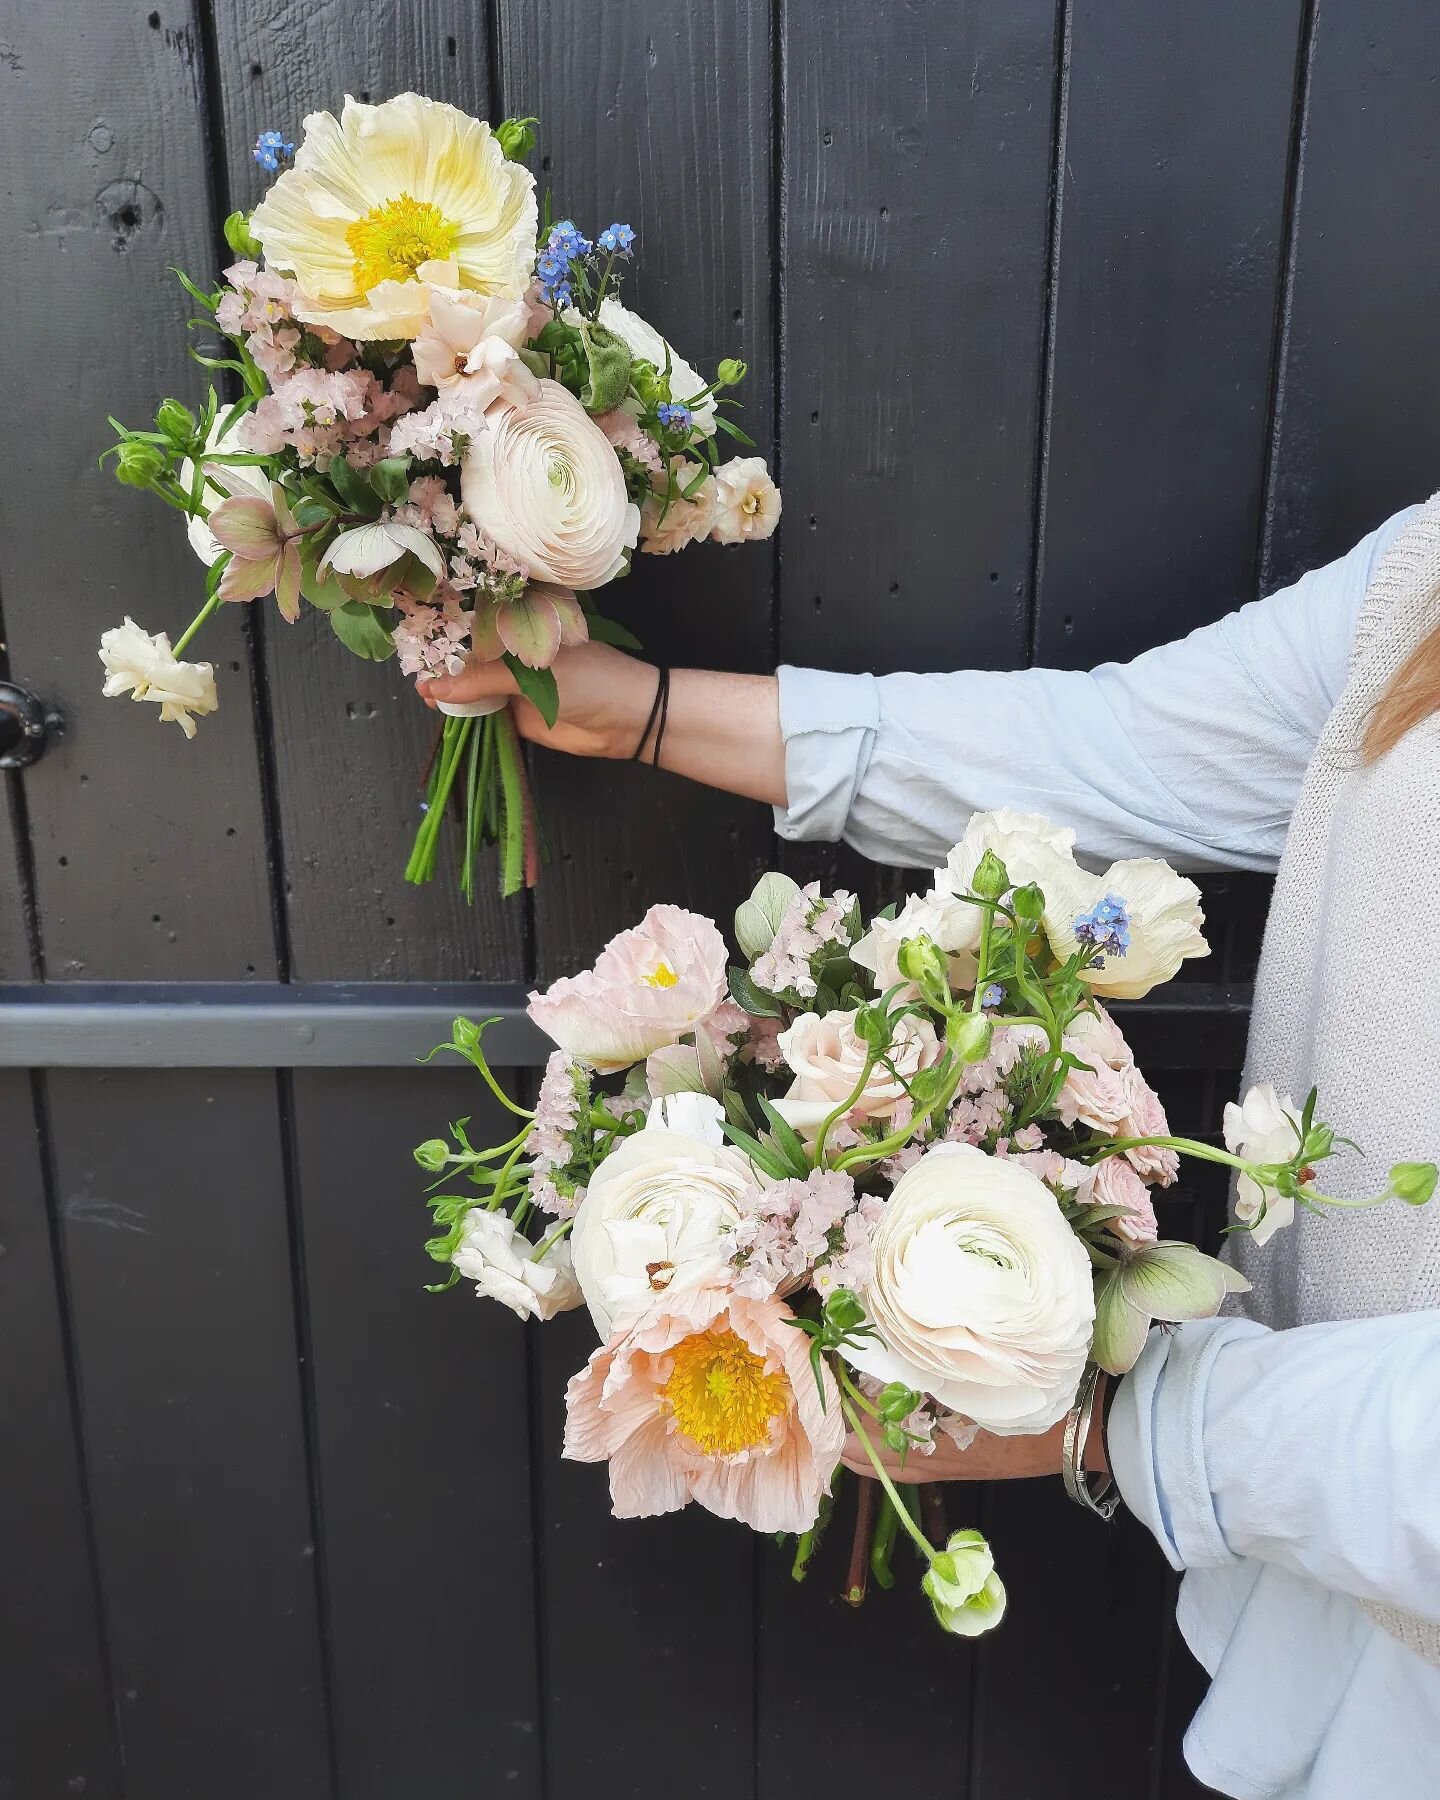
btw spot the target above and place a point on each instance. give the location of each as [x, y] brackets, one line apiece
[1348, 996]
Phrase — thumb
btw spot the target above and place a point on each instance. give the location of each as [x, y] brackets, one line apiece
[476, 681]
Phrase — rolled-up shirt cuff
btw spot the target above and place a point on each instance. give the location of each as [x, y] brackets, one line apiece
[1156, 1440]
[828, 723]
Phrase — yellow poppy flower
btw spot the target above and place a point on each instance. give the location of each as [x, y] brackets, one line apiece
[389, 200]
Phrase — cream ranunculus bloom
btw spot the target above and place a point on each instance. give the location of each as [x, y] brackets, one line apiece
[389, 199]
[981, 1292]
[546, 487]
[1263, 1128]
[504, 1267]
[655, 1213]
[148, 669]
[747, 502]
[1164, 915]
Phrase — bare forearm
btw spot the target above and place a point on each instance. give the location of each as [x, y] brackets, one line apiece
[725, 730]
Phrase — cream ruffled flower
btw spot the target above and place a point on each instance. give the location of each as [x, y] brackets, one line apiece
[747, 502]
[145, 667]
[504, 1267]
[665, 528]
[544, 485]
[1263, 1128]
[386, 201]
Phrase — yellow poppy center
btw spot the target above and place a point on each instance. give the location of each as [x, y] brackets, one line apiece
[661, 976]
[720, 1395]
[391, 241]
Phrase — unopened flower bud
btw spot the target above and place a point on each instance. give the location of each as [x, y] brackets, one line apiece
[240, 238]
[139, 465]
[922, 961]
[465, 1034]
[175, 420]
[1413, 1182]
[516, 137]
[873, 1027]
[991, 877]
[897, 1402]
[731, 372]
[969, 1037]
[1319, 1142]
[1029, 903]
[843, 1312]
[432, 1155]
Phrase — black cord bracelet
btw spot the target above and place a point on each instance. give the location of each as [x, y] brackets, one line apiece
[659, 716]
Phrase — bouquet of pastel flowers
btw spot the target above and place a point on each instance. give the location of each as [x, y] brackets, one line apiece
[889, 1177]
[445, 433]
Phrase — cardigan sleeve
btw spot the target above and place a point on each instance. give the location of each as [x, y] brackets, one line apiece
[1194, 751]
[1316, 1449]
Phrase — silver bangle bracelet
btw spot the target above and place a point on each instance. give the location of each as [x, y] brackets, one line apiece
[1078, 1421]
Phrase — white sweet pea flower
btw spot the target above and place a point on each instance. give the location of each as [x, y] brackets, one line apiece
[504, 1266]
[962, 1586]
[146, 668]
[655, 1213]
[981, 1293]
[1263, 1128]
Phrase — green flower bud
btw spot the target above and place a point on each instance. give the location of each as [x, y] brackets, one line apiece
[176, 421]
[140, 465]
[969, 1037]
[1413, 1182]
[991, 877]
[516, 137]
[465, 1034]
[432, 1155]
[731, 372]
[1029, 903]
[873, 1027]
[843, 1312]
[922, 961]
[238, 237]
[1319, 1142]
[897, 1402]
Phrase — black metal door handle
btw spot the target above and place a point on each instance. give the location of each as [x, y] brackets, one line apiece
[26, 725]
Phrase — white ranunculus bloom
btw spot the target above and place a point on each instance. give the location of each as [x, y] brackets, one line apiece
[148, 669]
[950, 923]
[654, 1214]
[1164, 914]
[503, 1266]
[981, 1292]
[747, 502]
[1263, 1128]
[828, 1057]
[546, 487]
[240, 478]
[642, 340]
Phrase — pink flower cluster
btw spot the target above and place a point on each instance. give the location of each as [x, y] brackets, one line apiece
[432, 639]
[817, 1228]
[552, 1142]
[928, 1419]
[808, 925]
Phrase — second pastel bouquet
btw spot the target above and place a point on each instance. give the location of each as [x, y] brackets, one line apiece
[446, 433]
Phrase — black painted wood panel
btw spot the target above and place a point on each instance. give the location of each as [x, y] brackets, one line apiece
[422, 1455]
[171, 1189]
[351, 741]
[15, 953]
[56, 1723]
[150, 853]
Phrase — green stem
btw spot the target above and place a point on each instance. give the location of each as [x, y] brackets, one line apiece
[213, 604]
[512, 843]
[476, 1060]
[1187, 1146]
[882, 1474]
[872, 1057]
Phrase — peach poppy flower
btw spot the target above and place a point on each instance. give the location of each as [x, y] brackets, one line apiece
[709, 1397]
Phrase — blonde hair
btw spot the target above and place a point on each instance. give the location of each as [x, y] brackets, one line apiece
[1413, 695]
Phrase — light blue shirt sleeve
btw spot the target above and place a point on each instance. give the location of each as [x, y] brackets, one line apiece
[1315, 1450]
[1194, 751]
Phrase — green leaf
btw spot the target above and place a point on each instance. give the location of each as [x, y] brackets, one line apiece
[353, 488]
[734, 431]
[390, 479]
[538, 687]
[360, 629]
[1173, 1281]
[1120, 1331]
[754, 1000]
[325, 590]
[784, 1134]
[606, 631]
[766, 1159]
[758, 918]
[607, 358]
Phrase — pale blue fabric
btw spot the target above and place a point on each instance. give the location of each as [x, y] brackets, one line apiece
[1291, 1473]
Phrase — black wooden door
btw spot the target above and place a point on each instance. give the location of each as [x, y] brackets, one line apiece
[1073, 323]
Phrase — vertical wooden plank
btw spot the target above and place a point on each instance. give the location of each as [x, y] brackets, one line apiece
[56, 1724]
[150, 852]
[1357, 436]
[15, 958]
[1171, 213]
[422, 1446]
[171, 1189]
[661, 117]
[350, 739]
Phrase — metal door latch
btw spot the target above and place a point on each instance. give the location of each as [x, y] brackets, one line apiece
[26, 726]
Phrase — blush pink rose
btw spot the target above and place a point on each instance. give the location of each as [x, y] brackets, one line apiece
[828, 1057]
[1115, 1183]
[709, 1397]
[652, 985]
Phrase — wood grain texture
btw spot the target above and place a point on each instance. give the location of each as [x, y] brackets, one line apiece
[179, 1268]
[15, 958]
[56, 1727]
[350, 739]
[1358, 436]
[422, 1454]
[661, 119]
[1171, 216]
[150, 852]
